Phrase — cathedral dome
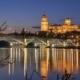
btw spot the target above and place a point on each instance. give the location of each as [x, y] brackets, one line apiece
[44, 18]
[67, 21]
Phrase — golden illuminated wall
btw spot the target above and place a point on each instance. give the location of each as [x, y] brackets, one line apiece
[64, 28]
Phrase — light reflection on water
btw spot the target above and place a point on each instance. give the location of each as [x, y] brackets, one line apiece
[16, 63]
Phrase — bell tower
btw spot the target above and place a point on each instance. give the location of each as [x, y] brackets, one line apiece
[44, 23]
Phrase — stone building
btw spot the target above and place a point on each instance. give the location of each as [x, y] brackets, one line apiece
[67, 26]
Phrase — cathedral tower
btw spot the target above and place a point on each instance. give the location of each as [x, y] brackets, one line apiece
[67, 21]
[44, 23]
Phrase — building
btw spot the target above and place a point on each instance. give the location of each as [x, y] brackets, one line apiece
[58, 28]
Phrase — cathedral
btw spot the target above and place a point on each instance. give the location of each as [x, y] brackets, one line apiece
[67, 26]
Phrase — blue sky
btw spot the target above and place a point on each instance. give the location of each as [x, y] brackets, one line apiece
[28, 13]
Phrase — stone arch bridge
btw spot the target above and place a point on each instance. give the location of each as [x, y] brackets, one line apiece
[18, 40]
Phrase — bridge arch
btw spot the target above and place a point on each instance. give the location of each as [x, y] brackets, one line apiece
[35, 42]
[4, 43]
[11, 40]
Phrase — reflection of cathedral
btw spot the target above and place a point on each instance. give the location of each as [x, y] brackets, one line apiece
[59, 60]
[58, 28]
[46, 59]
[42, 60]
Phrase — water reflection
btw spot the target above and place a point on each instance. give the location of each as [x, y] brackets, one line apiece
[25, 61]
[22, 61]
[4, 55]
[65, 59]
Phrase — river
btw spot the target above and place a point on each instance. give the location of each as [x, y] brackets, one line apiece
[37, 63]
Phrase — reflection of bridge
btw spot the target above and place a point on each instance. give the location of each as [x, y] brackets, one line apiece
[43, 59]
[38, 41]
[46, 59]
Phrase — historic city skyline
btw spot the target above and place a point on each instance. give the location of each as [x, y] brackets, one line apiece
[67, 26]
[26, 14]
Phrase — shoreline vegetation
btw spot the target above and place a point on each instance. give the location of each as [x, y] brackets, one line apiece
[64, 76]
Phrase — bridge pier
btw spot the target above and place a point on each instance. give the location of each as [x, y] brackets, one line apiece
[48, 43]
[25, 41]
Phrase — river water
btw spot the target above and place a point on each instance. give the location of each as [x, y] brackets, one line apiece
[38, 63]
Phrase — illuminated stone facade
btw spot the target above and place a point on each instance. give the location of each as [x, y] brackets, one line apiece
[58, 28]
[44, 23]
